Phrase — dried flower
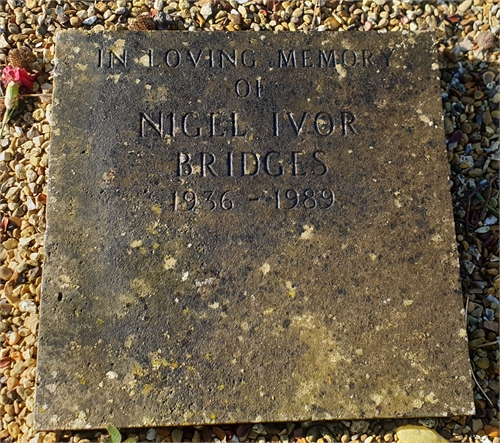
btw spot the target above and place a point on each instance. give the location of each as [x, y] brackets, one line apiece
[13, 79]
[143, 23]
[485, 40]
[21, 58]
[17, 75]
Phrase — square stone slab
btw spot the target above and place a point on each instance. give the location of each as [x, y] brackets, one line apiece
[248, 227]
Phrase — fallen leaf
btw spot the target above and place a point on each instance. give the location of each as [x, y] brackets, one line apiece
[485, 40]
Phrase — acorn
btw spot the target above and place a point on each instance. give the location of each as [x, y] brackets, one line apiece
[21, 58]
[143, 23]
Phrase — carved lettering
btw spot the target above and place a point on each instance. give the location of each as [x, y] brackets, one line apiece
[219, 124]
[250, 164]
[225, 56]
[323, 124]
[296, 164]
[267, 168]
[297, 127]
[183, 164]
[207, 164]
[158, 127]
[223, 59]
[254, 166]
[324, 168]
[194, 59]
[213, 124]
[349, 58]
[284, 61]
[173, 58]
[250, 63]
[122, 59]
[324, 61]
[185, 131]
[347, 121]
[331, 58]
[387, 56]
[226, 200]
[234, 120]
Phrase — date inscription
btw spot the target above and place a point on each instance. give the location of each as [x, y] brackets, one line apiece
[280, 199]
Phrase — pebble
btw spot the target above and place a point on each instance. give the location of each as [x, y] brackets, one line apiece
[27, 306]
[151, 434]
[206, 10]
[488, 77]
[75, 21]
[177, 435]
[477, 424]
[312, 434]
[464, 6]
[12, 382]
[482, 363]
[418, 434]
[5, 273]
[90, 21]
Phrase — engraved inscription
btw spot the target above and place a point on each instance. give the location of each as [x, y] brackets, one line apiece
[175, 58]
[282, 199]
[250, 164]
[287, 161]
[223, 124]
[331, 58]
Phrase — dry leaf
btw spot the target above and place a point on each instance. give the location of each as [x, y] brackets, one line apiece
[485, 40]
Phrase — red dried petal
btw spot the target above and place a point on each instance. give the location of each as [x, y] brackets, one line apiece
[17, 75]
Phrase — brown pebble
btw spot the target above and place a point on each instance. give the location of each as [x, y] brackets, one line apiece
[476, 172]
[487, 120]
[467, 100]
[466, 128]
[75, 21]
[488, 77]
[491, 325]
[482, 363]
[448, 126]
[221, 435]
[5, 273]
[332, 23]
[12, 383]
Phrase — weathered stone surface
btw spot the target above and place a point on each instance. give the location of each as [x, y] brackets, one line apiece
[271, 241]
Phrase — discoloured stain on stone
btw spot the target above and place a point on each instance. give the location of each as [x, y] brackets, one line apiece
[271, 241]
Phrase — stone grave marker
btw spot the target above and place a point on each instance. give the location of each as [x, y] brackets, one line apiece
[248, 227]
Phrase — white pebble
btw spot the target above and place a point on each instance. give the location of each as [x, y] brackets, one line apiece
[27, 306]
[90, 21]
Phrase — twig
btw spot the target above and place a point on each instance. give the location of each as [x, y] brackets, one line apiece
[470, 364]
[316, 5]
[466, 310]
[488, 344]
[479, 386]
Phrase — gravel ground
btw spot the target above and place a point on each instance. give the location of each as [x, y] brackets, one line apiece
[467, 34]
